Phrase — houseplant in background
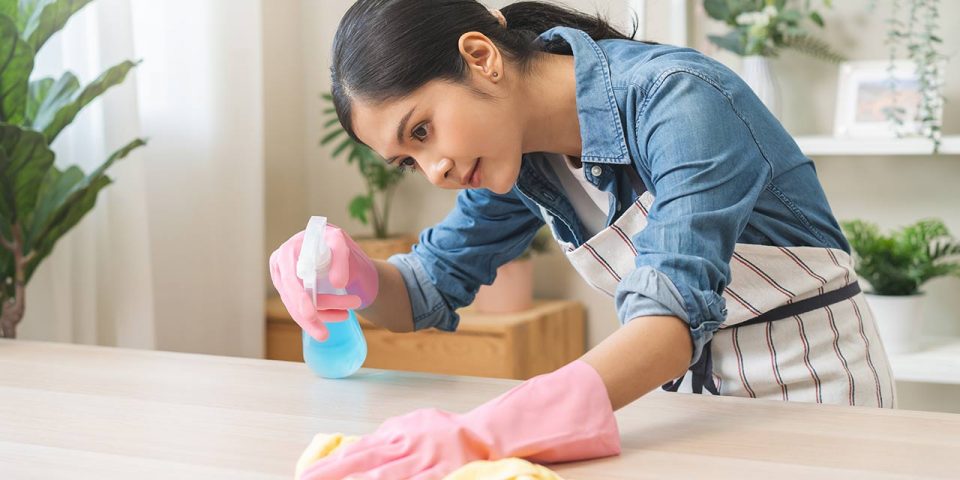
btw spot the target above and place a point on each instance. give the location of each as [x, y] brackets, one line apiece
[896, 266]
[760, 29]
[918, 34]
[372, 207]
[512, 289]
[39, 202]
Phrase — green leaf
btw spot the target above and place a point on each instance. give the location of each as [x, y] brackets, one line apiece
[11, 10]
[359, 206]
[29, 9]
[57, 186]
[65, 114]
[16, 63]
[61, 212]
[717, 9]
[813, 47]
[732, 41]
[336, 132]
[816, 18]
[37, 91]
[791, 16]
[24, 160]
[49, 19]
[346, 143]
[71, 214]
[58, 95]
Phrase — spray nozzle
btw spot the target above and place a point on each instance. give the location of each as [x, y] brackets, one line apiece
[314, 259]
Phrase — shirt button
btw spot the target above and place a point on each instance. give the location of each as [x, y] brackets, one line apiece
[596, 171]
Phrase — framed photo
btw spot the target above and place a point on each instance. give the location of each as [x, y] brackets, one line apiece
[864, 93]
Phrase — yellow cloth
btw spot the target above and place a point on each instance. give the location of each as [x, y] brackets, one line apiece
[324, 444]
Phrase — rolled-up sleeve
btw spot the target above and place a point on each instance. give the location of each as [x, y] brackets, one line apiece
[452, 259]
[706, 172]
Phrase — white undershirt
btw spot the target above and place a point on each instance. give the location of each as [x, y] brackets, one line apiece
[589, 202]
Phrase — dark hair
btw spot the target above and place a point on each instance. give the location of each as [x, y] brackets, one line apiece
[386, 49]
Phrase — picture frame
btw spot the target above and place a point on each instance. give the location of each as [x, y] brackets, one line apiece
[864, 91]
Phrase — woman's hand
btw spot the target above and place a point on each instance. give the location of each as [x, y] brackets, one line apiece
[350, 268]
[562, 416]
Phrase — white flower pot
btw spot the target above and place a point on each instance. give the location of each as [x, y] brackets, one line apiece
[899, 320]
[758, 74]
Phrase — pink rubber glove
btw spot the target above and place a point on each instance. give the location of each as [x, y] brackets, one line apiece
[350, 268]
[556, 417]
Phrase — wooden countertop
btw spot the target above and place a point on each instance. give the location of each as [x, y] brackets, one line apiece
[72, 411]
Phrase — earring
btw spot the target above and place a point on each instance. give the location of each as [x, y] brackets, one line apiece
[495, 74]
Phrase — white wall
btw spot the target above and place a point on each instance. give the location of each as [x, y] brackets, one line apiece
[892, 190]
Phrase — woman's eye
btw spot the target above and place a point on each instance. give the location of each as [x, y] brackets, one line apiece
[406, 163]
[420, 133]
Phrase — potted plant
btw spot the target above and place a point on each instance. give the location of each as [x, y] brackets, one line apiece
[372, 207]
[896, 266]
[918, 35]
[512, 289]
[39, 202]
[760, 29]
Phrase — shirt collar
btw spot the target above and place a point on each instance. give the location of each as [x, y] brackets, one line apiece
[601, 132]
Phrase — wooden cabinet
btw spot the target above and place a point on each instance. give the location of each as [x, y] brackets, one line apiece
[517, 345]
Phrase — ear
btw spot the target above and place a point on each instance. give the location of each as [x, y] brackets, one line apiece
[482, 56]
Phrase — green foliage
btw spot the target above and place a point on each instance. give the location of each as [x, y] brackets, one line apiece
[373, 206]
[918, 35]
[900, 263]
[764, 27]
[39, 202]
[814, 47]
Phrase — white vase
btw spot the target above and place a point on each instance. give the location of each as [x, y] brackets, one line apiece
[758, 73]
[899, 320]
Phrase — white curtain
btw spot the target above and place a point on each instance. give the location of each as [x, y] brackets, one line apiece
[171, 257]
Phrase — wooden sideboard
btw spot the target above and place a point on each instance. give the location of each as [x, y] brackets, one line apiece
[516, 345]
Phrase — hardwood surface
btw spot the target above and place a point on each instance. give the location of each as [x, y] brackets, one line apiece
[72, 411]
[515, 345]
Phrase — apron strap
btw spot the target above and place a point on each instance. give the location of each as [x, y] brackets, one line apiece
[702, 370]
[702, 374]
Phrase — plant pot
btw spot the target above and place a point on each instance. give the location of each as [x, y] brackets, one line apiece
[383, 248]
[758, 74]
[511, 291]
[899, 321]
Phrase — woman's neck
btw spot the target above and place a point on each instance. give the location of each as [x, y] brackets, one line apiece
[547, 105]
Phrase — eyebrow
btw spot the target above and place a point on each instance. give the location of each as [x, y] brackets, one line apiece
[400, 129]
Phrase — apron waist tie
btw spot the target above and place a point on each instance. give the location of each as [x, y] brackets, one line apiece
[702, 370]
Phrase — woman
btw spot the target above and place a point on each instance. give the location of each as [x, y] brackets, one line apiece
[664, 179]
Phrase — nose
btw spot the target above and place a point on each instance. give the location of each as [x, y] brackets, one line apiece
[438, 171]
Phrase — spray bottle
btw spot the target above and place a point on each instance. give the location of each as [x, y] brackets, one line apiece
[345, 349]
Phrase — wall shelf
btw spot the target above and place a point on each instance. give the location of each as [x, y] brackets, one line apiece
[825, 145]
[938, 362]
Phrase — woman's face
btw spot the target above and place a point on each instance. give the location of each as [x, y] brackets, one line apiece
[455, 137]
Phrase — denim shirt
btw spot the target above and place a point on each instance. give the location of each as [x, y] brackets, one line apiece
[652, 117]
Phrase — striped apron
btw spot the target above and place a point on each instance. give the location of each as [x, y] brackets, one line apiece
[797, 328]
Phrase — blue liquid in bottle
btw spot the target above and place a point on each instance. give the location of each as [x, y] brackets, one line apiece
[341, 354]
